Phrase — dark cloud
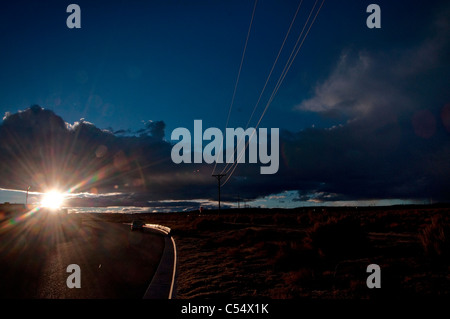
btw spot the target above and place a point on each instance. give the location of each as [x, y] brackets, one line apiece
[38, 148]
[156, 129]
[352, 161]
[384, 84]
[393, 141]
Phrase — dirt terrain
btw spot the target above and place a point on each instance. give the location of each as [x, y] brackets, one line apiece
[319, 253]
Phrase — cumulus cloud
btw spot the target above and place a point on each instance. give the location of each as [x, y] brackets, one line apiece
[155, 128]
[351, 89]
[348, 162]
[38, 148]
[391, 82]
[393, 142]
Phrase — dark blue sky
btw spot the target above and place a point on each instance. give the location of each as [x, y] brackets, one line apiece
[177, 61]
[364, 113]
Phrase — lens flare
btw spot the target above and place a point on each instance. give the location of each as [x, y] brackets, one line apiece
[52, 200]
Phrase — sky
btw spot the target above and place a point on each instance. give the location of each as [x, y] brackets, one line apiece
[363, 113]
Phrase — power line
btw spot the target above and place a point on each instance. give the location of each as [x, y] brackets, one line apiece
[279, 82]
[275, 62]
[233, 166]
[270, 74]
[238, 77]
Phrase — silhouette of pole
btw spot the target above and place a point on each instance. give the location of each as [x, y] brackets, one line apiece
[26, 200]
[219, 177]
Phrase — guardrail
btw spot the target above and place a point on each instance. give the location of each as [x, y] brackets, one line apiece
[167, 269]
[164, 229]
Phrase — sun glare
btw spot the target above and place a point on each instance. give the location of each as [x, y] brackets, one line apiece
[53, 200]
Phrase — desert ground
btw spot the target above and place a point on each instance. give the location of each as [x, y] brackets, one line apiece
[312, 253]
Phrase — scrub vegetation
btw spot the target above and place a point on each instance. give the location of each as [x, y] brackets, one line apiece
[308, 252]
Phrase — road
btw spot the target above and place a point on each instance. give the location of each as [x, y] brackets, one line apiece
[114, 261]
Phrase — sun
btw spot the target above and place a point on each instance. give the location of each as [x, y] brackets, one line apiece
[52, 200]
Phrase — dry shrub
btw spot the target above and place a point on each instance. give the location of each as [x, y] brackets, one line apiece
[303, 220]
[247, 237]
[285, 219]
[301, 277]
[230, 252]
[293, 255]
[435, 238]
[263, 220]
[243, 219]
[207, 224]
[339, 238]
[317, 216]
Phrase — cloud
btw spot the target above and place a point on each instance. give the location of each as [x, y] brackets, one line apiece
[393, 142]
[155, 128]
[345, 91]
[7, 114]
[38, 148]
[386, 83]
[348, 162]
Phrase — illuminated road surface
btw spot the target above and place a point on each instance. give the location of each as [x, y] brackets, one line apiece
[115, 262]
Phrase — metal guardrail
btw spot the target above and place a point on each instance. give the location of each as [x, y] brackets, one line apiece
[158, 286]
[164, 229]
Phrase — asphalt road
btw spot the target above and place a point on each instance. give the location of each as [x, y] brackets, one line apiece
[114, 261]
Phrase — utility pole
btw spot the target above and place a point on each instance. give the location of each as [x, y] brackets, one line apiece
[219, 177]
[26, 200]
